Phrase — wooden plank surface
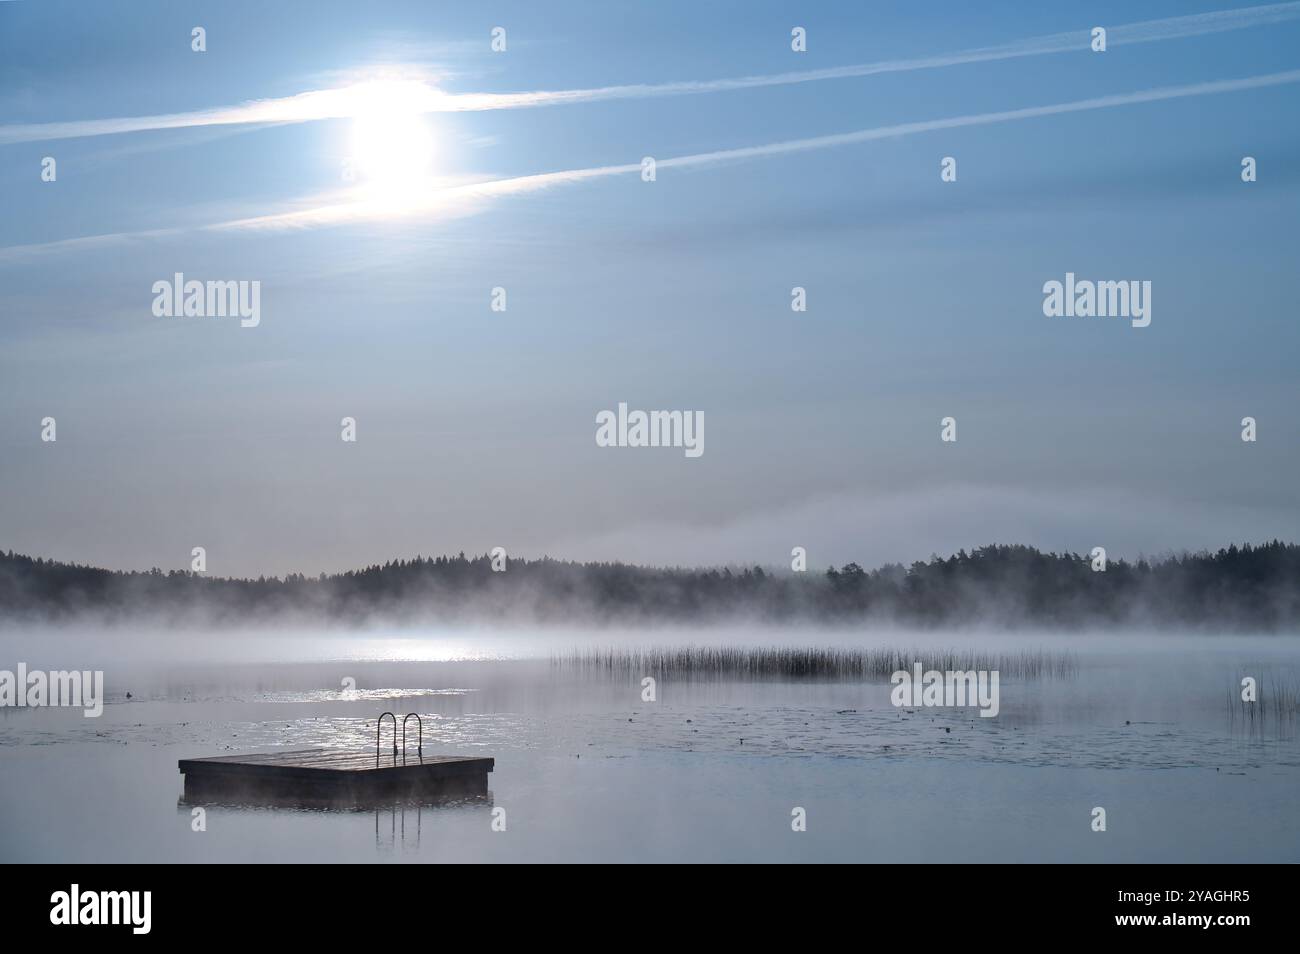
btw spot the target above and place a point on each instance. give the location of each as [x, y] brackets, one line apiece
[318, 762]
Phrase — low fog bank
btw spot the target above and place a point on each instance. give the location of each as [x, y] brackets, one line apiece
[267, 652]
[1243, 589]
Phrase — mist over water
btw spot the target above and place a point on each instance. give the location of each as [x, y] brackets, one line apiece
[587, 770]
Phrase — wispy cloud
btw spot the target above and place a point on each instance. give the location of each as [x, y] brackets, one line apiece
[418, 96]
[305, 107]
[459, 199]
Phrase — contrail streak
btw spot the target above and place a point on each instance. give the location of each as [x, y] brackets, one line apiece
[418, 97]
[453, 200]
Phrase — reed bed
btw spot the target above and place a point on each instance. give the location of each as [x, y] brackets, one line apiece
[1277, 696]
[827, 663]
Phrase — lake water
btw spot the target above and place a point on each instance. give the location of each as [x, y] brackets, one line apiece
[710, 771]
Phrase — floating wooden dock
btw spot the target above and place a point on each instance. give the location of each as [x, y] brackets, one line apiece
[332, 778]
[312, 776]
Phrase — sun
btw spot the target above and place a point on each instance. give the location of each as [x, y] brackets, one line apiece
[392, 146]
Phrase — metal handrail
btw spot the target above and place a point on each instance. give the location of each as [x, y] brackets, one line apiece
[419, 745]
[379, 727]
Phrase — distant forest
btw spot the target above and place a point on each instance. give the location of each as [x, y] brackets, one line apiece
[1246, 587]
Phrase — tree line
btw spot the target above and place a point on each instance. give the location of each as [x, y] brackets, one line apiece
[1247, 587]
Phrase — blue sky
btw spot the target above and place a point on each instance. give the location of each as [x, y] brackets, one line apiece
[475, 428]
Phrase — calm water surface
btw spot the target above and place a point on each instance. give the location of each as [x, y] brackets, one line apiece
[586, 770]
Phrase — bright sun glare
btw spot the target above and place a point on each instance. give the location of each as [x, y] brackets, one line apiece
[392, 147]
